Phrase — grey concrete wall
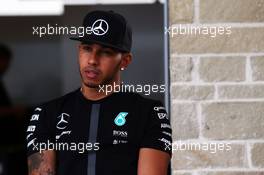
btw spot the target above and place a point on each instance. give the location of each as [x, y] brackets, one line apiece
[217, 88]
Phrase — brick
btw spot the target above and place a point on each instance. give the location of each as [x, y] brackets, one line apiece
[214, 69]
[233, 120]
[240, 40]
[240, 91]
[178, 173]
[257, 65]
[184, 121]
[181, 11]
[186, 92]
[232, 173]
[257, 155]
[195, 159]
[232, 10]
[181, 68]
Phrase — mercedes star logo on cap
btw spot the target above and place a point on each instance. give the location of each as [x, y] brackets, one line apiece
[100, 27]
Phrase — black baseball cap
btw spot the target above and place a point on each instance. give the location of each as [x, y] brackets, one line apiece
[107, 28]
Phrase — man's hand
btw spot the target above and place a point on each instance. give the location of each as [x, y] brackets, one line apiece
[153, 162]
[42, 163]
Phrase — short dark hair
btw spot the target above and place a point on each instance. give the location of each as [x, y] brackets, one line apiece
[5, 52]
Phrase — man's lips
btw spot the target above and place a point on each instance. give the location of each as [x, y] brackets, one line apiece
[91, 73]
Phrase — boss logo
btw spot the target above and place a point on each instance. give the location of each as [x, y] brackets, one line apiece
[120, 133]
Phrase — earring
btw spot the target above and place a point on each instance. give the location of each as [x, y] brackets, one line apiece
[122, 69]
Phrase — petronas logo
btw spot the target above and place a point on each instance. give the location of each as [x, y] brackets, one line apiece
[120, 119]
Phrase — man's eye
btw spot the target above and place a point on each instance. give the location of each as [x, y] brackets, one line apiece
[87, 48]
[107, 52]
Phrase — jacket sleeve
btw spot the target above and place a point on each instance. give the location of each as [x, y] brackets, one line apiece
[158, 131]
[39, 133]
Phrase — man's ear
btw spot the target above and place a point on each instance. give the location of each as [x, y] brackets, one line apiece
[126, 60]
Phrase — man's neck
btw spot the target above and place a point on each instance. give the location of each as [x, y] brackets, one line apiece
[97, 93]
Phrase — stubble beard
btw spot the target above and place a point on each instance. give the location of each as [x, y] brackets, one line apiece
[107, 80]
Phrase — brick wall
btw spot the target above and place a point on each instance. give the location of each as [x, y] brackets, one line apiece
[217, 87]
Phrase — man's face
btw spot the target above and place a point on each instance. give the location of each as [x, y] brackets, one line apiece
[98, 65]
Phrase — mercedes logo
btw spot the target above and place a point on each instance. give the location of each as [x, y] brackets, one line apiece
[62, 124]
[100, 27]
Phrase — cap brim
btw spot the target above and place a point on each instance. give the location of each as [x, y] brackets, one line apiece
[91, 41]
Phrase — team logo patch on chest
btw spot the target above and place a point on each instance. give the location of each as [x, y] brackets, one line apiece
[120, 119]
[62, 125]
[120, 136]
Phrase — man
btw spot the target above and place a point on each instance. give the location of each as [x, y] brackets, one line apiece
[125, 133]
[5, 58]
[12, 125]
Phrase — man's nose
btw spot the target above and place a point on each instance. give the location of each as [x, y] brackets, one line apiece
[94, 58]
